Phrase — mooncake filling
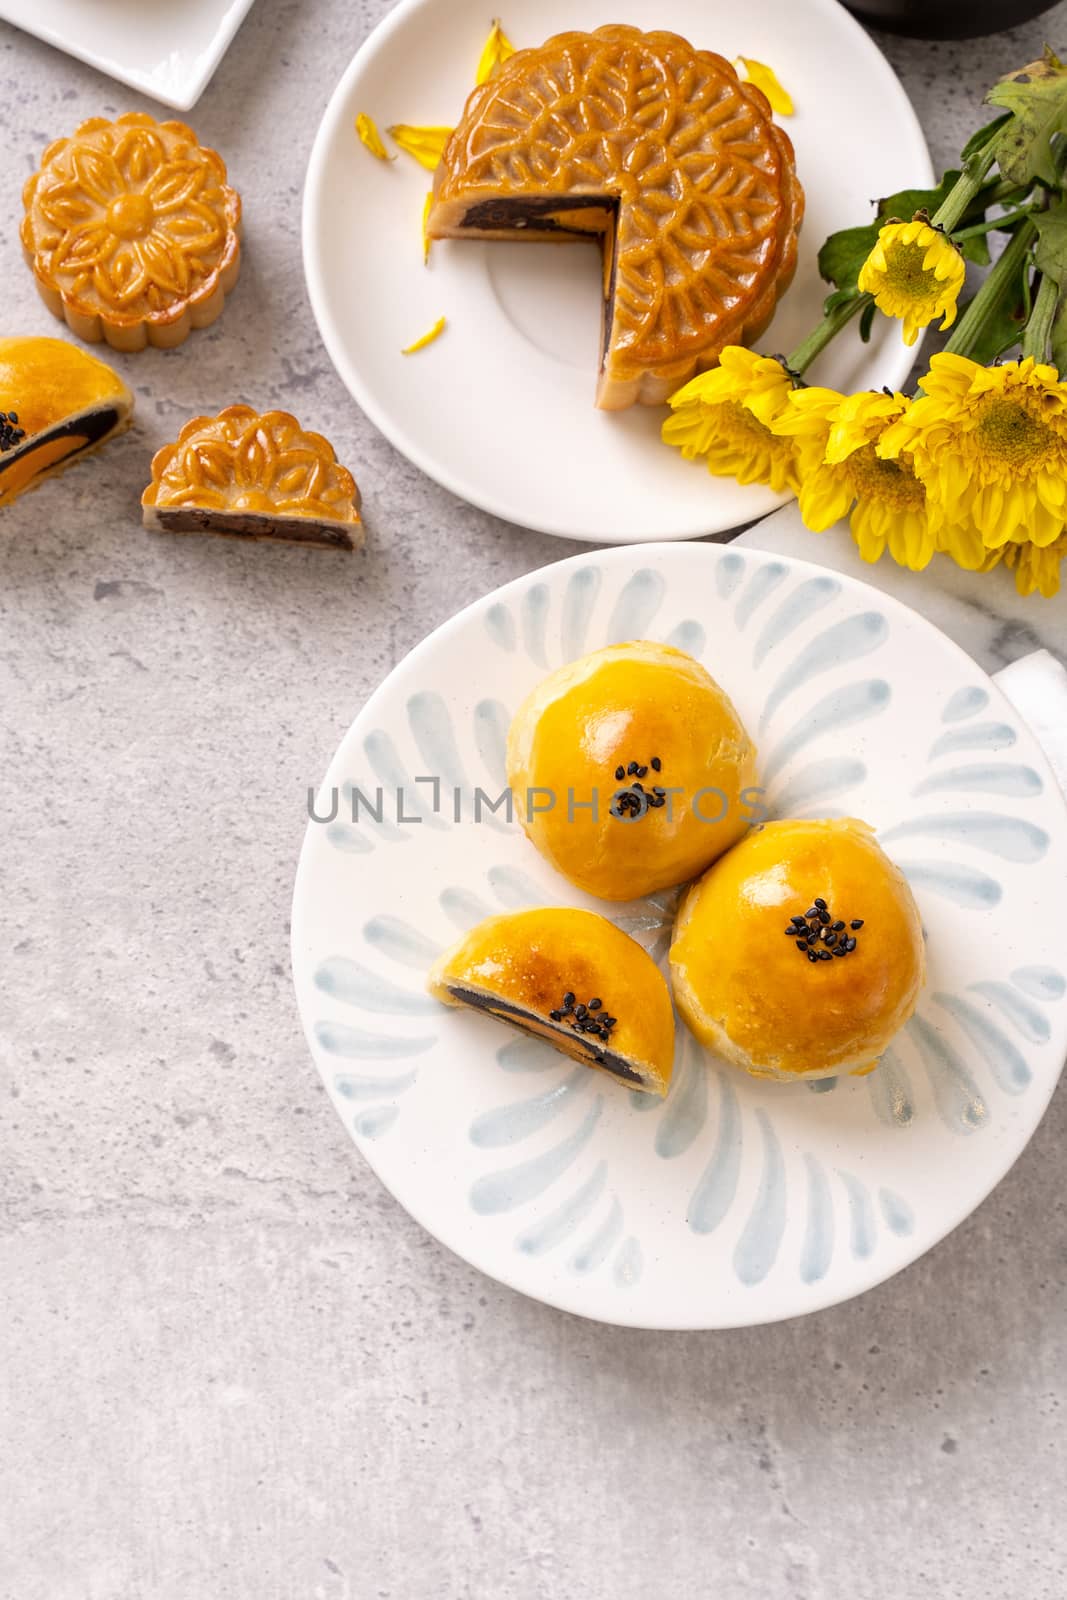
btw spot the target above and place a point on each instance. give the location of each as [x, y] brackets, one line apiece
[251, 525]
[44, 451]
[578, 1045]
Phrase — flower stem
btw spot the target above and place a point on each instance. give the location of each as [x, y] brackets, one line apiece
[1038, 335]
[1010, 265]
[993, 225]
[802, 357]
[966, 186]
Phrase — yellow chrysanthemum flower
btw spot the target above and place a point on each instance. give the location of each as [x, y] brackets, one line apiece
[1036, 570]
[915, 273]
[841, 472]
[990, 443]
[724, 416]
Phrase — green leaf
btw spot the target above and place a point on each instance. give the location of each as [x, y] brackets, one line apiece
[844, 253]
[867, 321]
[1037, 98]
[978, 139]
[1058, 348]
[976, 249]
[904, 204]
[839, 297]
[1050, 252]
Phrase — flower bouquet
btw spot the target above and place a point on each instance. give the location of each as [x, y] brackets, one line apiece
[975, 464]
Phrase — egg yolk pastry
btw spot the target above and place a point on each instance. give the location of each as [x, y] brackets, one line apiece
[573, 979]
[630, 770]
[660, 153]
[56, 404]
[254, 476]
[800, 953]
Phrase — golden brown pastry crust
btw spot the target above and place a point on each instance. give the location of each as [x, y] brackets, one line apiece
[522, 966]
[753, 997]
[699, 199]
[132, 231]
[630, 703]
[57, 403]
[254, 475]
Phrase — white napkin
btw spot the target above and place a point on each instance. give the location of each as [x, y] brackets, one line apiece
[1036, 685]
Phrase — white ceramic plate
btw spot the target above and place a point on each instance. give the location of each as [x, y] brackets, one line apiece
[500, 409]
[167, 51]
[735, 1201]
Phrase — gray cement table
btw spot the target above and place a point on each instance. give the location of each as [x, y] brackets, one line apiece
[232, 1368]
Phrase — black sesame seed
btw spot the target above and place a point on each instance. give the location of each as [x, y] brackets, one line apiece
[857, 923]
[655, 763]
[620, 773]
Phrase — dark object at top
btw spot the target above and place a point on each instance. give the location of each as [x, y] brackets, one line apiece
[947, 19]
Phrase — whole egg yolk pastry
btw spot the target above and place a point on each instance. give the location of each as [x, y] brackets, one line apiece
[800, 953]
[661, 154]
[630, 770]
[56, 404]
[573, 979]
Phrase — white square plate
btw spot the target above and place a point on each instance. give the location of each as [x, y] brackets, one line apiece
[168, 52]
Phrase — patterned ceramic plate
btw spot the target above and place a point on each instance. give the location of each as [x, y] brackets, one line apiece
[512, 380]
[734, 1201]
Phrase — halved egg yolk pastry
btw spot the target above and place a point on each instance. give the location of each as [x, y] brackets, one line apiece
[630, 769]
[573, 979]
[56, 403]
[800, 953]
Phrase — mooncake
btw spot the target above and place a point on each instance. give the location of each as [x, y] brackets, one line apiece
[132, 232]
[254, 475]
[658, 151]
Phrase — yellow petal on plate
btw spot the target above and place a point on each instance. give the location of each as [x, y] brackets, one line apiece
[428, 338]
[426, 240]
[764, 77]
[498, 47]
[425, 144]
[367, 129]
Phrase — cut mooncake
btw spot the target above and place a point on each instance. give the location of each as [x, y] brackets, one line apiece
[254, 476]
[660, 152]
[573, 979]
